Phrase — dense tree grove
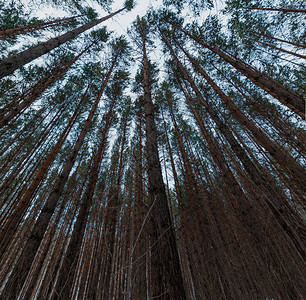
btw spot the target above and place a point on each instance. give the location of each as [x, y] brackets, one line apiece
[124, 176]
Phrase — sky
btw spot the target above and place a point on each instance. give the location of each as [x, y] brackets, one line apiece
[119, 23]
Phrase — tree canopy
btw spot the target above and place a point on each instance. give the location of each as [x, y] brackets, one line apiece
[164, 160]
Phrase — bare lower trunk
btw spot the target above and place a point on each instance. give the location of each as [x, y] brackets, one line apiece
[167, 282]
[42, 222]
[64, 283]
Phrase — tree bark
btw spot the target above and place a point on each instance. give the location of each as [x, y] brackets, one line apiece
[294, 170]
[68, 269]
[280, 40]
[242, 156]
[167, 282]
[9, 65]
[29, 28]
[287, 97]
[34, 92]
[279, 49]
[37, 234]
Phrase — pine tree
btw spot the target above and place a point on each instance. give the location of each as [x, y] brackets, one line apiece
[182, 179]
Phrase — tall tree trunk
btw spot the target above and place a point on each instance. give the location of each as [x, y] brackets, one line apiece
[33, 149]
[186, 233]
[294, 170]
[37, 276]
[279, 49]
[280, 40]
[287, 97]
[199, 239]
[285, 129]
[68, 269]
[37, 234]
[15, 218]
[29, 28]
[277, 9]
[141, 225]
[34, 92]
[167, 282]
[111, 216]
[239, 152]
[9, 65]
[21, 138]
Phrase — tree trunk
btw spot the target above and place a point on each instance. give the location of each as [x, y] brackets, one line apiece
[279, 49]
[29, 28]
[287, 97]
[111, 216]
[280, 40]
[9, 65]
[34, 92]
[68, 269]
[14, 220]
[167, 282]
[240, 153]
[294, 170]
[9, 177]
[42, 222]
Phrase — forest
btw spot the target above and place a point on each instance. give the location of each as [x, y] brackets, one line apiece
[166, 163]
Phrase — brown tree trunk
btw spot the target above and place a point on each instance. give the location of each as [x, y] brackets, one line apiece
[279, 49]
[294, 170]
[267, 190]
[33, 126]
[141, 225]
[36, 277]
[239, 152]
[35, 91]
[14, 220]
[198, 239]
[14, 154]
[287, 97]
[64, 283]
[9, 65]
[262, 214]
[42, 222]
[284, 128]
[167, 282]
[111, 216]
[29, 28]
[26, 158]
[280, 40]
[191, 251]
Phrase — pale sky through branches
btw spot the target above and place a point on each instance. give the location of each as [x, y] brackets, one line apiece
[119, 24]
[122, 22]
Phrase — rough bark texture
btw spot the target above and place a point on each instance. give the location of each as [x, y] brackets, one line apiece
[167, 282]
[37, 234]
[64, 283]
